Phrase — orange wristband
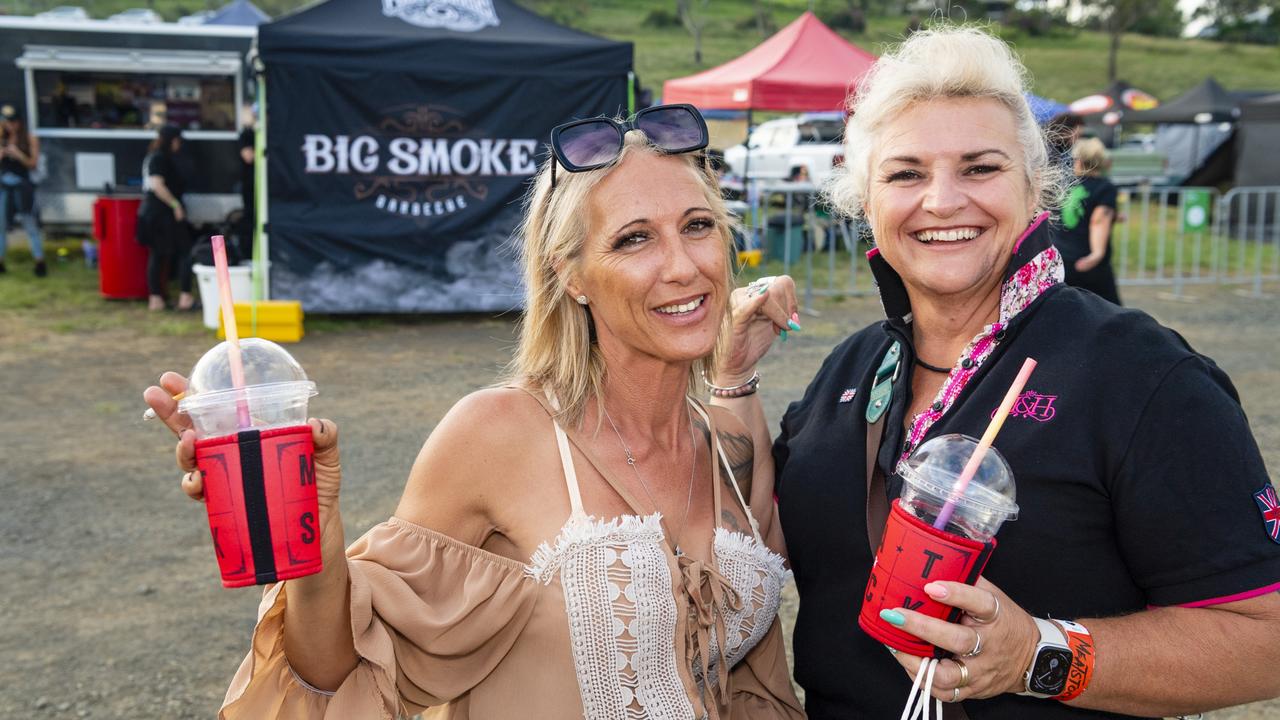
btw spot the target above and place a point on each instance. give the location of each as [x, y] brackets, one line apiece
[1082, 656]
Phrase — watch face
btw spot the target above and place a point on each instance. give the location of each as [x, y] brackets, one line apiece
[1049, 675]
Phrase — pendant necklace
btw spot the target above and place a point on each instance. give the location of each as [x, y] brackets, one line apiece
[631, 460]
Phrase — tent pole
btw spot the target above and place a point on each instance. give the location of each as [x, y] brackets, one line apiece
[631, 92]
[746, 182]
[261, 243]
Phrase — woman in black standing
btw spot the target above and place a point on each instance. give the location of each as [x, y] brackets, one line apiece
[162, 220]
[1083, 230]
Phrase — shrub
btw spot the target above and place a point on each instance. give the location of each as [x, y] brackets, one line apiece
[661, 18]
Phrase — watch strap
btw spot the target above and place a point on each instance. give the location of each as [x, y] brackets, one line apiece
[1051, 636]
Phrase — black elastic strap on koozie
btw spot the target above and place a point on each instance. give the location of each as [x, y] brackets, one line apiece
[255, 506]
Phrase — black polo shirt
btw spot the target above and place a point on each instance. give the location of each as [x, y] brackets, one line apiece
[1136, 476]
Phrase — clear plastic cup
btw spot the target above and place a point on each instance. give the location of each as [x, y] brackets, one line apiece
[929, 479]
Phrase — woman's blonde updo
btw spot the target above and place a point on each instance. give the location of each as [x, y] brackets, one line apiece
[554, 349]
[944, 62]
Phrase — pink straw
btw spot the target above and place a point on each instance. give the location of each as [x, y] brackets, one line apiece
[988, 437]
[229, 325]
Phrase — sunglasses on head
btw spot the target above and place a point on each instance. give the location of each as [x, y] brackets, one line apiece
[584, 145]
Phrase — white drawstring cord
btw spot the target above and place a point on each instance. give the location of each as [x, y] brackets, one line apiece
[911, 697]
[921, 692]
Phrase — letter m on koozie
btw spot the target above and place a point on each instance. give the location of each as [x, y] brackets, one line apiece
[306, 470]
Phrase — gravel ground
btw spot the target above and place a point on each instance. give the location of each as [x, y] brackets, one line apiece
[112, 607]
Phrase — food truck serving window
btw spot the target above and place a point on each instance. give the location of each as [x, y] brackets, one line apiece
[112, 92]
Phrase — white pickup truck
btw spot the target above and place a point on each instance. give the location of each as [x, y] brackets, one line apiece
[780, 148]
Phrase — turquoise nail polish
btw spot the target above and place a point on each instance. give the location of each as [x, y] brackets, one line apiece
[783, 334]
[793, 325]
[893, 617]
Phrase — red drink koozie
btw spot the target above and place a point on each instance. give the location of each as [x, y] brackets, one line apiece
[260, 493]
[912, 554]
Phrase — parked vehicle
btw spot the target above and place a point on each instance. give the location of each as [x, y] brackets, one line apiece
[198, 18]
[141, 16]
[785, 148]
[64, 13]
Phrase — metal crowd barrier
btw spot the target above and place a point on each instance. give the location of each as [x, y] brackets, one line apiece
[1163, 236]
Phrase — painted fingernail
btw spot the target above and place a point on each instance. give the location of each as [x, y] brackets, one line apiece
[793, 325]
[893, 617]
[795, 316]
[936, 590]
[784, 335]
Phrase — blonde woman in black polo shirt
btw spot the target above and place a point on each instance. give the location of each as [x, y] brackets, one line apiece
[1146, 513]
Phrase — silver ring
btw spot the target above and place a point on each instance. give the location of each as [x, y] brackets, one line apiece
[977, 645]
[955, 695]
[964, 673]
[986, 621]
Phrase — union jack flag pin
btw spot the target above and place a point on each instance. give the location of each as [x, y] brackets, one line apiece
[1270, 509]
[848, 395]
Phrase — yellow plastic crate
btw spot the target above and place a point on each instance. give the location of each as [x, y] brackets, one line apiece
[749, 258]
[276, 320]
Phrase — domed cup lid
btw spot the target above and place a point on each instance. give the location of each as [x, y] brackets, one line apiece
[270, 373]
[936, 465]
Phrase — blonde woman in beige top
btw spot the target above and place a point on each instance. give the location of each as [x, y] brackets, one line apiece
[587, 541]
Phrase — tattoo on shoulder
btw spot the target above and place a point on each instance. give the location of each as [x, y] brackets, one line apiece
[741, 451]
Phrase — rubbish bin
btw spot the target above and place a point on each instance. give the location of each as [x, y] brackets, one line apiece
[122, 262]
[781, 245]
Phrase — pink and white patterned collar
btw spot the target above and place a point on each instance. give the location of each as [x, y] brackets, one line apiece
[1035, 267]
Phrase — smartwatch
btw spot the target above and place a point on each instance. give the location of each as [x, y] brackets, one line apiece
[1051, 663]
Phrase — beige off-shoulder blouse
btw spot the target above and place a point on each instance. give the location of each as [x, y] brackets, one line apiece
[461, 633]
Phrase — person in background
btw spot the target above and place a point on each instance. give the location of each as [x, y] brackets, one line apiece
[1062, 133]
[1083, 231]
[248, 199]
[162, 221]
[19, 155]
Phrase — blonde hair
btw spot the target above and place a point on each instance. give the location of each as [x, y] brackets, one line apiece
[554, 349]
[943, 62]
[1092, 156]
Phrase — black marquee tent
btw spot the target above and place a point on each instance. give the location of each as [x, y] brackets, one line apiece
[1258, 146]
[401, 136]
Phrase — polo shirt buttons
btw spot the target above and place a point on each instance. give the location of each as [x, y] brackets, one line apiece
[966, 363]
[937, 406]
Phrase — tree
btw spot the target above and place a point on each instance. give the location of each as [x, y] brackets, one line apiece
[1117, 17]
[764, 23]
[693, 23]
[1244, 20]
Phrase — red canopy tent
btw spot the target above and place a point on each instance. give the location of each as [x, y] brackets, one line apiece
[804, 66]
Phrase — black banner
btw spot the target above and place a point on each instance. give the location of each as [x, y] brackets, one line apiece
[391, 191]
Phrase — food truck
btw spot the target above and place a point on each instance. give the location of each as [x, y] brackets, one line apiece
[94, 91]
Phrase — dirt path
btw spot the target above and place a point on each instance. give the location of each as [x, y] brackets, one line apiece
[112, 608]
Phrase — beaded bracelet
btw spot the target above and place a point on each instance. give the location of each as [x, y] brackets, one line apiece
[747, 388]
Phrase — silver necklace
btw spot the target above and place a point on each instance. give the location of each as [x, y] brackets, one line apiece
[693, 469]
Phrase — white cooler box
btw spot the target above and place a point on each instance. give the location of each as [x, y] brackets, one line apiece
[207, 280]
